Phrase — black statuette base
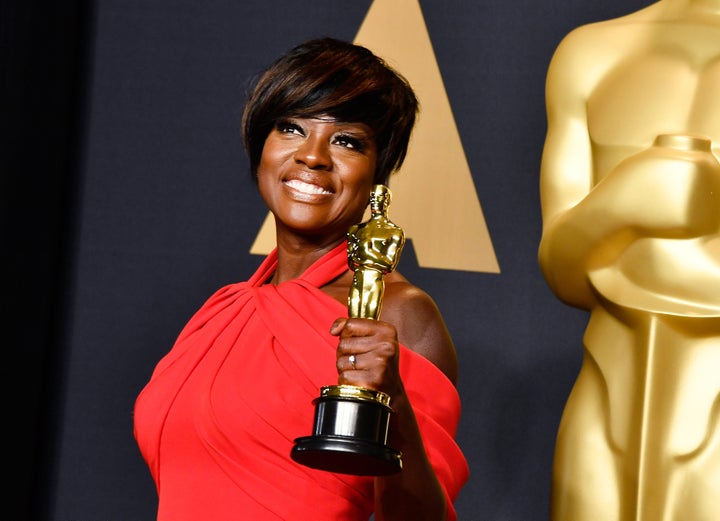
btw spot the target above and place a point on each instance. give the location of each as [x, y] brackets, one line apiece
[346, 456]
[349, 438]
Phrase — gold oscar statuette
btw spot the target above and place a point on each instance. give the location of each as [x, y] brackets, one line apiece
[351, 423]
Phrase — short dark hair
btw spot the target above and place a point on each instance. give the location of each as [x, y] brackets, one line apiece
[345, 81]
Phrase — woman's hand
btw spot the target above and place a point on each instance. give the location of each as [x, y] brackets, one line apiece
[368, 354]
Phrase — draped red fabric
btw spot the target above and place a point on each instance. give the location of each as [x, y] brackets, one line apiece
[218, 418]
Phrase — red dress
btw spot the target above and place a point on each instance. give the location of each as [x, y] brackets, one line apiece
[219, 416]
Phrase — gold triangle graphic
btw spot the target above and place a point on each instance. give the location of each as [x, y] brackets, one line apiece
[434, 197]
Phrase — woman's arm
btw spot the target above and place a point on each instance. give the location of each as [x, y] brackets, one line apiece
[409, 317]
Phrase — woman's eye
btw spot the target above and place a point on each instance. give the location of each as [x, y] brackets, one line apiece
[348, 142]
[287, 127]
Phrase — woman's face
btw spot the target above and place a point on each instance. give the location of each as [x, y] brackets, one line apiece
[315, 175]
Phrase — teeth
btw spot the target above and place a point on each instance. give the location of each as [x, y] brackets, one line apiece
[306, 188]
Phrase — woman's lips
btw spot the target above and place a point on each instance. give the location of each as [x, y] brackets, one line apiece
[306, 188]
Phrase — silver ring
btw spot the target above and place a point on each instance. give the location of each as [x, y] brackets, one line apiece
[352, 359]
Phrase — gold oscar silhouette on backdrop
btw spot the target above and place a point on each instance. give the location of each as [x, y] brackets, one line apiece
[630, 192]
[351, 423]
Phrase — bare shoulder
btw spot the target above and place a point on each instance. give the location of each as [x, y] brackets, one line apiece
[419, 323]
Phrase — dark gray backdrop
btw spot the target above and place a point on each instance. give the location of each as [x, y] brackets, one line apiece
[126, 202]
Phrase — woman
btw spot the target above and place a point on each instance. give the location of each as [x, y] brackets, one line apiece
[216, 423]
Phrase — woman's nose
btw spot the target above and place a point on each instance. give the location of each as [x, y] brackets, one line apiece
[314, 153]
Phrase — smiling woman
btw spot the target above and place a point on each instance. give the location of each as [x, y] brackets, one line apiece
[216, 423]
[315, 170]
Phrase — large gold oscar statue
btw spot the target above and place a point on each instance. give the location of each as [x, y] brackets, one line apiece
[630, 191]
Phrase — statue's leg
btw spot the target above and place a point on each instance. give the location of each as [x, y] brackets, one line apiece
[692, 415]
[696, 491]
[585, 484]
